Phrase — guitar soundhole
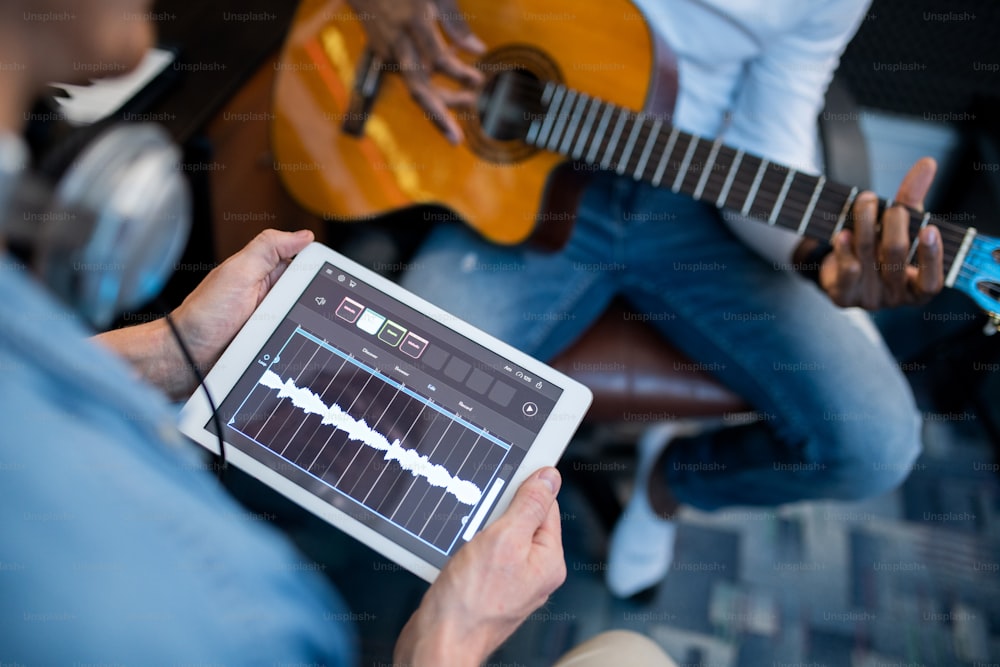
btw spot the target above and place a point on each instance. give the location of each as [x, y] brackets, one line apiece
[509, 101]
[508, 104]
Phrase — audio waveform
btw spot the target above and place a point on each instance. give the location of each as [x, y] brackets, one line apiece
[302, 398]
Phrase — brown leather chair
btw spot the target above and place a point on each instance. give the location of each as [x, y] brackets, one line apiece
[636, 375]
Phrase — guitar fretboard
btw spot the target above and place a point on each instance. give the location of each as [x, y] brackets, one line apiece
[589, 130]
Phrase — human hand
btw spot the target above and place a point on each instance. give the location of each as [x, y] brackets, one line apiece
[406, 32]
[492, 584]
[871, 272]
[214, 312]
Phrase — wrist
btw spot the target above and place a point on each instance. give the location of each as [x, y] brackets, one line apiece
[437, 642]
[151, 350]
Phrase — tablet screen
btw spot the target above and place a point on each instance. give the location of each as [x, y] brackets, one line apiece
[386, 414]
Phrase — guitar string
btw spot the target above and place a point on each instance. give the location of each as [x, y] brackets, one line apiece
[949, 231]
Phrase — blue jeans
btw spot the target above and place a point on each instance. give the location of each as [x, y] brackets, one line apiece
[837, 417]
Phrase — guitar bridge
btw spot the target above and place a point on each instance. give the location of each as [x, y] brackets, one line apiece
[367, 82]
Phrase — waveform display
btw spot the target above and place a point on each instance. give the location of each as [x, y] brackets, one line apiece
[356, 429]
[371, 439]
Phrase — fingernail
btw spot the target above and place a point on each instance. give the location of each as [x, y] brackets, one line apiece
[475, 44]
[932, 237]
[551, 478]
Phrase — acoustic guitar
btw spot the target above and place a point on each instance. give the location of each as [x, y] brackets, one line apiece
[351, 144]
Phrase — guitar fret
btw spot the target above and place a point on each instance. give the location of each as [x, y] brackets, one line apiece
[916, 237]
[568, 104]
[601, 131]
[721, 201]
[536, 124]
[707, 169]
[717, 174]
[654, 135]
[820, 182]
[615, 136]
[550, 115]
[587, 125]
[780, 201]
[685, 163]
[665, 157]
[842, 218]
[963, 250]
[630, 146]
[574, 124]
[753, 188]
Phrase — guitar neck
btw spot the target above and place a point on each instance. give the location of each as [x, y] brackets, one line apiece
[614, 138]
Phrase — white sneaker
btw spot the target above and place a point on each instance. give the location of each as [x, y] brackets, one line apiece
[642, 544]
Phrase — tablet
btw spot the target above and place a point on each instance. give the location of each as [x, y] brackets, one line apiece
[391, 419]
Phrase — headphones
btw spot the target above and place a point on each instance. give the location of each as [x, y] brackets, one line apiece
[103, 224]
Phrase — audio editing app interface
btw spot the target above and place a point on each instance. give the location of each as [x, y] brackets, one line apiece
[387, 414]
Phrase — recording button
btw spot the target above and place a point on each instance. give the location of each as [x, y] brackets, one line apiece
[529, 409]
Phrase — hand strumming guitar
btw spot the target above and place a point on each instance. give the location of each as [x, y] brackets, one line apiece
[868, 266]
[407, 32]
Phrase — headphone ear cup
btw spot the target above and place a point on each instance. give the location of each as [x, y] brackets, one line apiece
[129, 178]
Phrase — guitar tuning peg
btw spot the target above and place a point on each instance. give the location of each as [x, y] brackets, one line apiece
[992, 324]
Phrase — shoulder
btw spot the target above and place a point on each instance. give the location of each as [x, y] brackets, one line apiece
[123, 541]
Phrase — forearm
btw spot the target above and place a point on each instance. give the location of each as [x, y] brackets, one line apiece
[153, 352]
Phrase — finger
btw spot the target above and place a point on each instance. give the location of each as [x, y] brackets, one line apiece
[549, 534]
[893, 250]
[845, 285]
[457, 28]
[274, 245]
[417, 80]
[916, 183]
[434, 51]
[530, 506]
[865, 214]
[457, 99]
[275, 249]
[865, 219]
[548, 540]
[930, 276]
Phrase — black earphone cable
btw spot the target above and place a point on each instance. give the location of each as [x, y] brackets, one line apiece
[219, 464]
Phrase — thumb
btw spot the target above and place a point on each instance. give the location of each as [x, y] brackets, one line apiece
[268, 252]
[278, 246]
[532, 502]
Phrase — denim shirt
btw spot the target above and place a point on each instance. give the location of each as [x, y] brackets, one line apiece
[116, 546]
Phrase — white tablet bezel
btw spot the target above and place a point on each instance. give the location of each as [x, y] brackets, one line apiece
[548, 446]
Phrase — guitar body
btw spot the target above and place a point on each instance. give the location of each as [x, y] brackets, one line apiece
[500, 187]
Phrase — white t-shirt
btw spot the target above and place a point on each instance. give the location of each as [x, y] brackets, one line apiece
[763, 64]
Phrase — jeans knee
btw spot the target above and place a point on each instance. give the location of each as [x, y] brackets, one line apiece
[867, 460]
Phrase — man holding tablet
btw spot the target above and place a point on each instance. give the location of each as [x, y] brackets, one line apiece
[117, 548]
